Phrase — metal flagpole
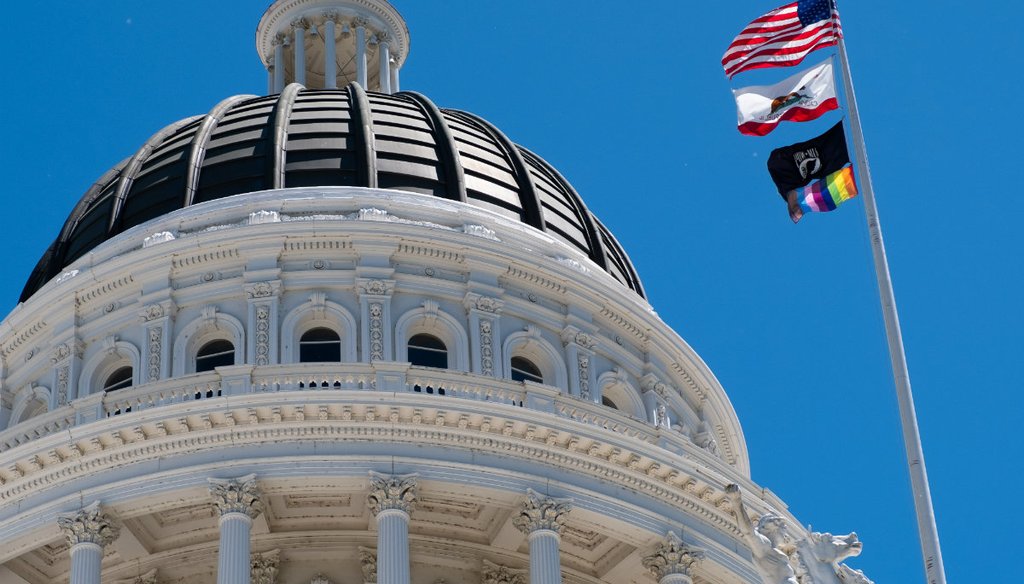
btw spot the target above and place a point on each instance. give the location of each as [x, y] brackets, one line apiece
[929, 535]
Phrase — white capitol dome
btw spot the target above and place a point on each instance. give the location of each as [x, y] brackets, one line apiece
[341, 334]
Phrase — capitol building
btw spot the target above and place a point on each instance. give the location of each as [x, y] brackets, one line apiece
[340, 334]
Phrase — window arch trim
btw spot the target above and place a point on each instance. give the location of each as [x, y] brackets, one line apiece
[211, 326]
[323, 314]
[429, 319]
[530, 345]
[113, 356]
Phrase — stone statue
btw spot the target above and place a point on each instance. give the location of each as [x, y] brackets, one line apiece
[769, 541]
[817, 558]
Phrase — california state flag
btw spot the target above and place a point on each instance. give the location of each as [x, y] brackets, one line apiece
[800, 98]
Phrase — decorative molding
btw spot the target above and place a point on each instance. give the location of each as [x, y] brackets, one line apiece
[265, 567]
[376, 310]
[259, 290]
[262, 335]
[392, 492]
[241, 495]
[672, 557]
[368, 562]
[152, 312]
[541, 512]
[156, 335]
[320, 579]
[583, 363]
[497, 574]
[376, 287]
[89, 525]
[63, 384]
[486, 347]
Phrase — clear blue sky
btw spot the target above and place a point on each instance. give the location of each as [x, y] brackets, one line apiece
[630, 103]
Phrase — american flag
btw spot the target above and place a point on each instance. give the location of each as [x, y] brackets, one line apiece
[784, 36]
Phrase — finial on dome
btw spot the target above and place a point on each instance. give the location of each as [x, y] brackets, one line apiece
[329, 43]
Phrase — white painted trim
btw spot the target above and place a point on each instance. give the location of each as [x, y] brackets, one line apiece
[104, 363]
[304, 317]
[433, 321]
[23, 398]
[533, 346]
[201, 331]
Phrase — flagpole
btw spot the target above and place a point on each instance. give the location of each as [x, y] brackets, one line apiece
[929, 535]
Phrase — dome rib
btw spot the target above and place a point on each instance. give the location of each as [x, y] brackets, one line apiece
[131, 170]
[455, 177]
[528, 197]
[362, 134]
[279, 138]
[197, 154]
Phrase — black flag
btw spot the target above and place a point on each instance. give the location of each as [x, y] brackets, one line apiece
[796, 166]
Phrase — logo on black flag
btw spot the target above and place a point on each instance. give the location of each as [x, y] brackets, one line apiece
[795, 166]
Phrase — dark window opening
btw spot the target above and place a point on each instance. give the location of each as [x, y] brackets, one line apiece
[219, 353]
[524, 370]
[119, 379]
[607, 402]
[428, 351]
[320, 345]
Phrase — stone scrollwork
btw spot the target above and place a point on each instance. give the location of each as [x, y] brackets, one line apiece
[376, 331]
[151, 312]
[265, 567]
[376, 287]
[540, 512]
[147, 578]
[496, 574]
[262, 335]
[63, 382]
[89, 525]
[368, 562]
[486, 346]
[261, 290]
[156, 335]
[584, 367]
[241, 495]
[392, 492]
[673, 557]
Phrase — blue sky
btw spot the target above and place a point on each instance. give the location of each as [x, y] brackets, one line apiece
[631, 104]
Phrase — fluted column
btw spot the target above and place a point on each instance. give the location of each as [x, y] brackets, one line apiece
[673, 561]
[541, 519]
[394, 75]
[391, 500]
[330, 52]
[360, 24]
[238, 502]
[384, 53]
[299, 26]
[88, 531]
[279, 64]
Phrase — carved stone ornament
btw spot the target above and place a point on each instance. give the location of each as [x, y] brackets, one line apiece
[147, 578]
[816, 558]
[673, 557]
[488, 304]
[60, 352]
[320, 579]
[368, 562]
[261, 290]
[240, 495]
[392, 492]
[262, 335]
[486, 346]
[156, 335]
[90, 525]
[584, 368]
[540, 512]
[495, 574]
[264, 568]
[151, 312]
[376, 331]
[63, 382]
[376, 287]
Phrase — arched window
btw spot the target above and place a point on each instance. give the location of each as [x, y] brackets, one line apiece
[428, 351]
[522, 369]
[215, 354]
[320, 345]
[119, 379]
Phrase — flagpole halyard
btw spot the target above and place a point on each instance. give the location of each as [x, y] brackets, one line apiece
[931, 553]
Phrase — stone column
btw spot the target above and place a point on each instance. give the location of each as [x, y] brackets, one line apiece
[484, 334]
[361, 76]
[279, 64]
[330, 51]
[579, 352]
[384, 53]
[391, 500]
[673, 561]
[541, 519]
[299, 25]
[394, 74]
[88, 531]
[238, 502]
[263, 298]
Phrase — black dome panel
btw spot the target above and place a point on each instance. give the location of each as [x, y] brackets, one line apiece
[344, 137]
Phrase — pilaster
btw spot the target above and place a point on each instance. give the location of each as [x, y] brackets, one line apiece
[156, 356]
[375, 306]
[485, 334]
[264, 304]
[66, 359]
[579, 355]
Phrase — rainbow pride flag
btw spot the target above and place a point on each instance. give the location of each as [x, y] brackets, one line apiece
[828, 193]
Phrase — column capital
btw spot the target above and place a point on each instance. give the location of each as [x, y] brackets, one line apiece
[240, 495]
[673, 557]
[89, 525]
[392, 492]
[540, 512]
[360, 22]
[496, 574]
[147, 578]
[300, 23]
[264, 567]
[368, 562]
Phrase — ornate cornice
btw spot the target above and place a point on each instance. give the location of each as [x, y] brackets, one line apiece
[392, 492]
[241, 495]
[540, 512]
[672, 556]
[89, 525]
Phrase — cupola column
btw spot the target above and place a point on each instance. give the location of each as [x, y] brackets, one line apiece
[391, 500]
[238, 503]
[673, 561]
[87, 532]
[394, 75]
[278, 65]
[299, 26]
[384, 52]
[361, 77]
[330, 52]
[541, 519]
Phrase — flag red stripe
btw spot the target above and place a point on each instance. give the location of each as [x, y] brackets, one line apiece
[797, 35]
[778, 39]
[771, 53]
[782, 62]
[797, 114]
[792, 46]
